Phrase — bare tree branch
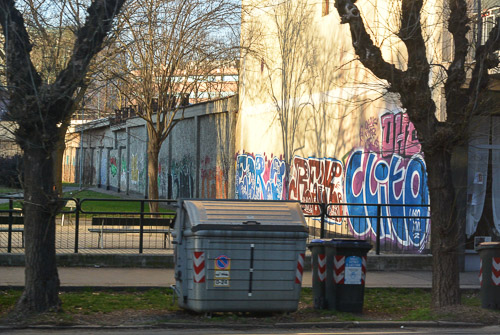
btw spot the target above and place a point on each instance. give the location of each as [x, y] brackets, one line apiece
[369, 54]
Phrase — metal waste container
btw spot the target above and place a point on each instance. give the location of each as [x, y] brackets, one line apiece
[346, 273]
[239, 256]
[489, 274]
[318, 261]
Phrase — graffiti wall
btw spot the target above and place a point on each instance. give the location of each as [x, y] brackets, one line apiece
[138, 171]
[162, 178]
[113, 169]
[69, 165]
[317, 180]
[387, 168]
[196, 160]
[260, 177]
[104, 167]
[214, 183]
[396, 175]
[182, 173]
[123, 170]
[401, 182]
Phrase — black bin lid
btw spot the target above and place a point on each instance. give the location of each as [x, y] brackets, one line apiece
[350, 244]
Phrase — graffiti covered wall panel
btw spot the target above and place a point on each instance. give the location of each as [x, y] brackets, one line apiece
[163, 169]
[104, 167]
[371, 179]
[138, 159]
[114, 168]
[123, 170]
[196, 159]
[216, 157]
[183, 163]
[260, 177]
[317, 180]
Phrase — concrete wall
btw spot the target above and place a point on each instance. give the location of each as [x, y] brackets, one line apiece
[195, 160]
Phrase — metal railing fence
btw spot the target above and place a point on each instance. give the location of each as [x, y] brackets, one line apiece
[395, 228]
[82, 225]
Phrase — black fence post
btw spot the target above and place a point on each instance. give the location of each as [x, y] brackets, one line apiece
[379, 214]
[141, 222]
[77, 223]
[9, 236]
[323, 207]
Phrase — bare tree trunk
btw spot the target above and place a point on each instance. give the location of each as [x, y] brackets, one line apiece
[41, 292]
[444, 231]
[153, 153]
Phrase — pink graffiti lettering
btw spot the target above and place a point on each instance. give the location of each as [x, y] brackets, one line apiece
[398, 135]
[368, 134]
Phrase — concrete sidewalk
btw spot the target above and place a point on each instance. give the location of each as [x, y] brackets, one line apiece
[72, 277]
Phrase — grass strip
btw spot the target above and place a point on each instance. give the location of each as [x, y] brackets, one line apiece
[99, 206]
[9, 190]
[395, 304]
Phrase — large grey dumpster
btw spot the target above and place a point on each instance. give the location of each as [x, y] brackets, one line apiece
[239, 255]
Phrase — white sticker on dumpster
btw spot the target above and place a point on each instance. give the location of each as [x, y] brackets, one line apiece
[221, 274]
[353, 270]
[221, 282]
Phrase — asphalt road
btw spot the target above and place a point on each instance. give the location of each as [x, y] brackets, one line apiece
[492, 330]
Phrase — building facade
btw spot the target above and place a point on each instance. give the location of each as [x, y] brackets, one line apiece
[316, 126]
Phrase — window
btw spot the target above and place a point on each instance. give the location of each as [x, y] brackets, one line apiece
[483, 186]
[489, 18]
[230, 78]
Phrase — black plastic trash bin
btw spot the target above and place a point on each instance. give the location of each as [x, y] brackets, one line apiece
[345, 283]
[489, 274]
[318, 261]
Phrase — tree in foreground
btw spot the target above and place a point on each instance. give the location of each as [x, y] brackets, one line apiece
[438, 137]
[39, 108]
[171, 52]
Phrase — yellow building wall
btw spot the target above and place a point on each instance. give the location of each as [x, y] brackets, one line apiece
[314, 125]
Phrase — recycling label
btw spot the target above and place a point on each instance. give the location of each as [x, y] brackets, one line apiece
[353, 270]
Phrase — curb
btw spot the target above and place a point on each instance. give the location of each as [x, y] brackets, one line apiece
[294, 325]
[375, 262]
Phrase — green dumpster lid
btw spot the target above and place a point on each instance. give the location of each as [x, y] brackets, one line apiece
[253, 214]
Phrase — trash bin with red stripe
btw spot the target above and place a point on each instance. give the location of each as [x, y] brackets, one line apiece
[346, 274]
[489, 274]
[318, 262]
